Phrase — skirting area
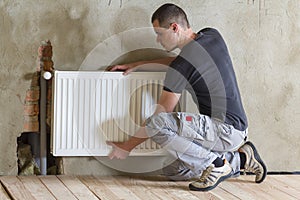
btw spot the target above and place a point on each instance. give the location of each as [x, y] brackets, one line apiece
[125, 187]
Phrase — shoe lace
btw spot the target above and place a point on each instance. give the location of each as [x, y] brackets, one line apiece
[206, 173]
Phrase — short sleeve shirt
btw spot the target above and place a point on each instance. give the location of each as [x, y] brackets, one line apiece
[204, 69]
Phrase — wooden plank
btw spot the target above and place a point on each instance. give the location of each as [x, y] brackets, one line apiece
[139, 190]
[159, 188]
[3, 193]
[274, 188]
[223, 194]
[56, 187]
[77, 187]
[239, 189]
[289, 184]
[36, 187]
[154, 187]
[15, 188]
[201, 195]
[116, 188]
[291, 180]
[244, 187]
[216, 193]
[98, 188]
[166, 189]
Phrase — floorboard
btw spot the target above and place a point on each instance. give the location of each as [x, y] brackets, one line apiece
[244, 187]
[37, 189]
[143, 187]
[3, 193]
[288, 184]
[98, 188]
[16, 188]
[57, 188]
[78, 189]
[119, 190]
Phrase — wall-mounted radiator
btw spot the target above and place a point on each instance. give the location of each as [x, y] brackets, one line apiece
[91, 107]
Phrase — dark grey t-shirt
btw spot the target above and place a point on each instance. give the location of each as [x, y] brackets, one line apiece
[204, 68]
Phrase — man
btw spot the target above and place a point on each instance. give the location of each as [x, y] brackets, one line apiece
[210, 145]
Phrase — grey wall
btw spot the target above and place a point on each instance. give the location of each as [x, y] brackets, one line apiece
[262, 36]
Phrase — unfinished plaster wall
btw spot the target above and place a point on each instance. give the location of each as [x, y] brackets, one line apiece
[262, 36]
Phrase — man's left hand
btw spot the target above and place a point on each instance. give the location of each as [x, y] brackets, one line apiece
[118, 150]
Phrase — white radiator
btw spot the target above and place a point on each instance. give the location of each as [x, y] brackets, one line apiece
[90, 108]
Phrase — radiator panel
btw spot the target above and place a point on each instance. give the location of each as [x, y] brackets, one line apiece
[90, 108]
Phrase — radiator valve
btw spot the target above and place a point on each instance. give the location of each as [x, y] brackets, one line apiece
[47, 75]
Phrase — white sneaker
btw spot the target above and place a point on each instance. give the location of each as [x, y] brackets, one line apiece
[211, 177]
[254, 163]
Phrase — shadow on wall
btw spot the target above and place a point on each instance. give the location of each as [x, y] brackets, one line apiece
[65, 28]
[130, 19]
[141, 54]
[134, 40]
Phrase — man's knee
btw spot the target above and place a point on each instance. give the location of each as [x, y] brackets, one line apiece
[155, 122]
[158, 128]
[154, 126]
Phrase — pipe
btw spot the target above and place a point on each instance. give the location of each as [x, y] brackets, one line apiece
[43, 125]
[46, 65]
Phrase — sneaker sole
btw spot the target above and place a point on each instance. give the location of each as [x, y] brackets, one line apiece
[259, 160]
[191, 187]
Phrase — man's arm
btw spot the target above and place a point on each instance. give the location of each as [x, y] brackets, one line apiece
[121, 150]
[150, 65]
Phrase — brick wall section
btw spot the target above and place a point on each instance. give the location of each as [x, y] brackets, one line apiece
[31, 106]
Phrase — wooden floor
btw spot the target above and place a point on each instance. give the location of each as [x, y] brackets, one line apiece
[124, 187]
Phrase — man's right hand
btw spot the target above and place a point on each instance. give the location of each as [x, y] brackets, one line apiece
[150, 65]
[127, 68]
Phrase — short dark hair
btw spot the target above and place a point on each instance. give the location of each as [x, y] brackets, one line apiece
[170, 13]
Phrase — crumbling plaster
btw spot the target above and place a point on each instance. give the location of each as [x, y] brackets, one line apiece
[262, 36]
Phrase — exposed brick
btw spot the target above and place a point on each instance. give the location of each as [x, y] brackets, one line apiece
[45, 50]
[47, 65]
[31, 108]
[32, 94]
[31, 124]
[35, 81]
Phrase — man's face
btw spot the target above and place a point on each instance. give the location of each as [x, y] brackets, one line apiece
[165, 36]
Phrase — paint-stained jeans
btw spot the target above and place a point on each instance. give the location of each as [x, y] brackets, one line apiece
[194, 141]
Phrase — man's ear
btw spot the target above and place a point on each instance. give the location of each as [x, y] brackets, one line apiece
[174, 27]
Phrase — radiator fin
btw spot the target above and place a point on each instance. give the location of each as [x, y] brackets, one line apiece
[90, 108]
